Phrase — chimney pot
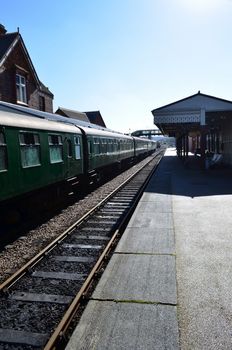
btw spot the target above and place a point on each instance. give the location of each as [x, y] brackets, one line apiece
[2, 30]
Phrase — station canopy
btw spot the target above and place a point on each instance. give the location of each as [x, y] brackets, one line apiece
[191, 114]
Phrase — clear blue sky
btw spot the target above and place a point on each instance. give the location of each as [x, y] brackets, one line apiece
[126, 57]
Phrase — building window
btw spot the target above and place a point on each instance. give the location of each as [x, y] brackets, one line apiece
[21, 88]
[30, 149]
[3, 153]
[42, 103]
[55, 148]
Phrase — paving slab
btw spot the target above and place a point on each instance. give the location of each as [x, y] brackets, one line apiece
[139, 277]
[119, 326]
[156, 220]
[151, 196]
[147, 241]
[154, 205]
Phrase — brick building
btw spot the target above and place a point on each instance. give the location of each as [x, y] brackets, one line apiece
[95, 117]
[19, 83]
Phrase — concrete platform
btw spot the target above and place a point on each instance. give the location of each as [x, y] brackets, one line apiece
[175, 258]
[144, 278]
[116, 326]
[147, 241]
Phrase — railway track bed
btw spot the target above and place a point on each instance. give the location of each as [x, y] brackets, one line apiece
[38, 302]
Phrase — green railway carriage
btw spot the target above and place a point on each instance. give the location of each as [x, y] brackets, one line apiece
[44, 157]
[151, 146]
[143, 146]
[107, 149]
[127, 149]
[36, 153]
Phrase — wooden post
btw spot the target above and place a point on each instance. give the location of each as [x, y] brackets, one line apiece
[203, 147]
[187, 145]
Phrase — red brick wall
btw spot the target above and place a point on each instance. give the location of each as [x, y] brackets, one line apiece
[8, 85]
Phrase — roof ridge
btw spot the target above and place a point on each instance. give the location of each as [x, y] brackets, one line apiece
[188, 97]
[9, 34]
[6, 44]
[71, 110]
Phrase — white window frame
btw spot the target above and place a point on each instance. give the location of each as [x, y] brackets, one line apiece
[21, 91]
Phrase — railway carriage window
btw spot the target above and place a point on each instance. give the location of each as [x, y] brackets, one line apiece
[116, 145]
[104, 145]
[77, 148]
[109, 146]
[100, 146]
[90, 147]
[69, 144]
[30, 149]
[96, 142]
[55, 148]
[3, 154]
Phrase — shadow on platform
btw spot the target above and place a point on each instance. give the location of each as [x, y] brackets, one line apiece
[188, 179]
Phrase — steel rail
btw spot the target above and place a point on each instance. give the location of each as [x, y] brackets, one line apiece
[62, 327]
[32, 262]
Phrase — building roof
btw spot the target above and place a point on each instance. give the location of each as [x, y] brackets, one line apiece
[45, 89]
[6, 41]
[7, 44]
[95, 117]
[184, 101]
[72, 114]
[191, 113]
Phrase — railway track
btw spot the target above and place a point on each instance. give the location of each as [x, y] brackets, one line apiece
[38, 302]
[35, 215]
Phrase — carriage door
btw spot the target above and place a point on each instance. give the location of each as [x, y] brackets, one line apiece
[69, 157]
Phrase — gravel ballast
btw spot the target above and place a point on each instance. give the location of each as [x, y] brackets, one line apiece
[19, 252]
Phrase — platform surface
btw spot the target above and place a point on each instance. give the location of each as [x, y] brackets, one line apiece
[174, 259]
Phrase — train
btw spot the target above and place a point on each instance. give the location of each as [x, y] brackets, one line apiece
[45, 156]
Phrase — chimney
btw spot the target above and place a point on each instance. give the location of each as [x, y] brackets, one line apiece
[2, 30]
